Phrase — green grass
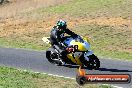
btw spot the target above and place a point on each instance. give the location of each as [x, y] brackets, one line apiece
[108, 40]
[13, 78]
[91, 8]
[11, 43]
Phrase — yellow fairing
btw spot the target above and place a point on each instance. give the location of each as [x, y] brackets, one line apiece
[87, 39]
[81, 47]
[76, 60]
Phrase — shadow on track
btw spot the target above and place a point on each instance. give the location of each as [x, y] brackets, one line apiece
[113, 70]
[100, 69]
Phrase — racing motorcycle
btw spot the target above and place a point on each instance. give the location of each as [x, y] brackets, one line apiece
[79, 53]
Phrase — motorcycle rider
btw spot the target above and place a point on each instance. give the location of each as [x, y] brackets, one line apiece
[57, 36]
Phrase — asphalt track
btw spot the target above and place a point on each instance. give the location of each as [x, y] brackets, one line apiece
[36, 61]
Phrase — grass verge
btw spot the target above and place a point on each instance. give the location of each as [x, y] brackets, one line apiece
[8, 43]
[92, 8]
[13, 78]
[108, 41]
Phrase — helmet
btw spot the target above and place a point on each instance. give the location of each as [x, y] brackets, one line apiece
[62, 24]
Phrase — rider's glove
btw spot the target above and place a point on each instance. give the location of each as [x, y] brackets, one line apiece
[75, 36]
[62, 45]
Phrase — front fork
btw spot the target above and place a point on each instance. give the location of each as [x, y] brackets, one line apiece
[86, 54]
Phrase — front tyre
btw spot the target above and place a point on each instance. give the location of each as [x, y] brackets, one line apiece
[93, 62]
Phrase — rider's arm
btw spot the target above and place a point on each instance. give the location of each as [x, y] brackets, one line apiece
[69, 32]
[59, 40]
[58, 37]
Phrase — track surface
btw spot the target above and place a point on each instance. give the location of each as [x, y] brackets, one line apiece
[36, 61]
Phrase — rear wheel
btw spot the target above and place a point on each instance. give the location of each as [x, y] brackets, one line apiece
[93, 62]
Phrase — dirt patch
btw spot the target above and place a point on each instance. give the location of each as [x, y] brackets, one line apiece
[15, 7]
[27, 27]
[34, 30]
[20, 26]
[110, 21]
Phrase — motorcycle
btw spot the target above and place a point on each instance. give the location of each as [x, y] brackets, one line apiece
[79, 53]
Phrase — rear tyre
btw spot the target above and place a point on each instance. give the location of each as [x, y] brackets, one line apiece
[93, 62]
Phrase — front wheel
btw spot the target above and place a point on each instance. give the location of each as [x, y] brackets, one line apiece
[93, 62]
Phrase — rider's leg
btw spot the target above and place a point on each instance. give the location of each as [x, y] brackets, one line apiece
[62, 51]
[53, 40]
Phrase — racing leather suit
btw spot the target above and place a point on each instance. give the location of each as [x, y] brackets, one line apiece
[57, 37]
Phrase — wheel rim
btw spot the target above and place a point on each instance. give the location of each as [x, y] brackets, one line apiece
[53, 56]
[94, 64]
[54, 59]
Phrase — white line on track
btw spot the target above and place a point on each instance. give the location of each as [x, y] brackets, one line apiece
[69, 78]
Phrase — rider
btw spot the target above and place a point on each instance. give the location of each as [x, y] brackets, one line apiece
[57, 35]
